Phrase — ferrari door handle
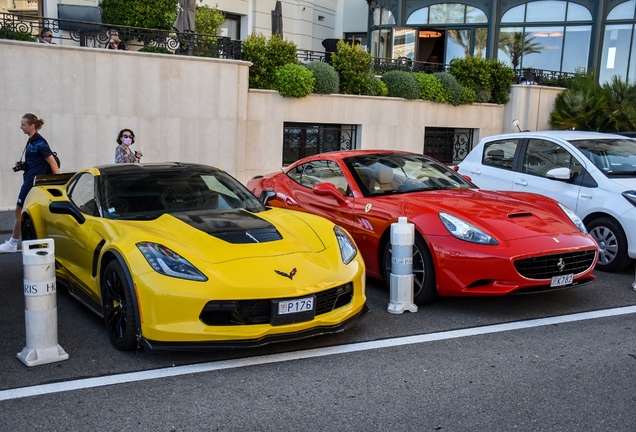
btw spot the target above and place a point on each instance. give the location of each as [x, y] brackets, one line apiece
[475, 171]
[521, 182]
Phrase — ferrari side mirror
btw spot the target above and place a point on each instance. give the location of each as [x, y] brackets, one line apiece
[328, 189]
[67, 208]
[266, 195]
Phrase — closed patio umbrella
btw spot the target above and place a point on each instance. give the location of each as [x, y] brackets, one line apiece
[277, 19]
[185, 16]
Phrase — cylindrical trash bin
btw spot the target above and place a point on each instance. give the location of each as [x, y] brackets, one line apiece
[402, 239]
[40, 304]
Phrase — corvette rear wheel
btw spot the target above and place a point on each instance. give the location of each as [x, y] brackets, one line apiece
[612, 244]
[28, 230]
[118, 308]
[424, 285]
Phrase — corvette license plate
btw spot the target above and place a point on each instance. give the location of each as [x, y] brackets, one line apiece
[562, 280]
[296, 306]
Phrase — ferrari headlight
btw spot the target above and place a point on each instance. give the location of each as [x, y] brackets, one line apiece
[169, 263]
[465, 231]
[348, 250]
[574, 218]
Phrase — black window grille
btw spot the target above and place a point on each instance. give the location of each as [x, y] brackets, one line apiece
[448, 145]
[307, 139]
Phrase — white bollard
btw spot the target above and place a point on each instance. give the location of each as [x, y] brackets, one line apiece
[402, 239]
[40, 304]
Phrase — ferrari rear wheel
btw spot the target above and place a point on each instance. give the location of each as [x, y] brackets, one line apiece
[28, 230]
[424, 284]
[118, 308]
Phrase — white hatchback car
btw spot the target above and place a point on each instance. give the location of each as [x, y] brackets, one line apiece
[592, 173]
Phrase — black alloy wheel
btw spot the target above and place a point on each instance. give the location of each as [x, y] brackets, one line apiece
[28, 230]
[424, 283]
[118, 308]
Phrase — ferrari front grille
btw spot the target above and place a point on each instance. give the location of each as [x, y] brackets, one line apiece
[247, 312]
[547, 266]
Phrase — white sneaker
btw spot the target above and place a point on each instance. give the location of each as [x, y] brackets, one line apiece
[7, 247]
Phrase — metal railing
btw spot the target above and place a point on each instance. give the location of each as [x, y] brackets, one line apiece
[97, 35]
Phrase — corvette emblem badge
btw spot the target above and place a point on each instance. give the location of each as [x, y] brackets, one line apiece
[367, 208]
[561, 264]
[290, 275]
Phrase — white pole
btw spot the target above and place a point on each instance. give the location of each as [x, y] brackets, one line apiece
[40, 304]
[402, 239]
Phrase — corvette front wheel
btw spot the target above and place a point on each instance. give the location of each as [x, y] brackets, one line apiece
[424, 285]
[118, 308]
[28, 230]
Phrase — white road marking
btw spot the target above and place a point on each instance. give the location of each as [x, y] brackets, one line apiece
[299, 355]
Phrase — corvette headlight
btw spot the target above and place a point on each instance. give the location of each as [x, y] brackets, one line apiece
[169, 263]
[348, 250]
[574, 218]
[465, 231]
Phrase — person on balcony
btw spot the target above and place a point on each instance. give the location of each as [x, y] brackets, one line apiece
[46, 36]
[114, 42]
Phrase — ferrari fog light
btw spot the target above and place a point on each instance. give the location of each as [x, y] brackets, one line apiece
[630, 196]
[169, 263]
[465, 231]
[348, 250]
[574, 218]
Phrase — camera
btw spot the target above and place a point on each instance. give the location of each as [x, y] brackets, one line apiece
[20, 166]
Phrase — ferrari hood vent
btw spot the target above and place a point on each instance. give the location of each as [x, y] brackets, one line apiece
[516, 215]
[232, 226]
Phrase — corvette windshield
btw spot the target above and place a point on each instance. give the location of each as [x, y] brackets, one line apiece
[396, 173]
[148, 194]
[614, 157]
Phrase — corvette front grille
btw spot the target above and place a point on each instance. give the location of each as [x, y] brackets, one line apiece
[547, 266]
[247, 312]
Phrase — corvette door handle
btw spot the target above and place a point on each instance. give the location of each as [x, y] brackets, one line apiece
[521, 182]
[475, 171]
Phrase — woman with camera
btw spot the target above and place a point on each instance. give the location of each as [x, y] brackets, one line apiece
[38, 160]
[123, 154]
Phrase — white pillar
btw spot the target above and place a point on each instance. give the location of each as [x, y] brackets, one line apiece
[40, 304]
[402, 239]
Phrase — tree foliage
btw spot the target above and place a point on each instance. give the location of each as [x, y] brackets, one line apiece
[266, 56]
[518, 44]
[207, 20]
[293, 80]
[353, 66]
[153, 14]
[586, 105]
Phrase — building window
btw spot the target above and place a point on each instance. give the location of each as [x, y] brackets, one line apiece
[447, 13]
[554, 46]
[448, 145]
[301, 140]
[231, 27]
[619, 55]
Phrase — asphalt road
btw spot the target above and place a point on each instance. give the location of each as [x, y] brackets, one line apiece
[560, 376]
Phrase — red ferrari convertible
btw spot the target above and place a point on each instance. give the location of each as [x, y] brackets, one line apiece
[468, 242]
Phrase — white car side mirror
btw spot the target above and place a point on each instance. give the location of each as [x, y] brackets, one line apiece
[559, 173]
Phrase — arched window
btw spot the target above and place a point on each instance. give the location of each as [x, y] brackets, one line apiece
[447, 13]
[619, 53]
[549, 35]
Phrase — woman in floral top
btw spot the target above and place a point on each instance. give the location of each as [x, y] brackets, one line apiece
[123, 154]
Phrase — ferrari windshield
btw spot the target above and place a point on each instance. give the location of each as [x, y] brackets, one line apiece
[614, 157]
[393, 173]
[149, 193]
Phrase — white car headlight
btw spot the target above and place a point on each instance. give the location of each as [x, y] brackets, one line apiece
[574, 218]
[169, 263]
[630, 196]
[348, 250]
[465, 231]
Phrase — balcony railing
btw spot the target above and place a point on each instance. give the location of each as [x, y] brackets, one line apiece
[97, 35]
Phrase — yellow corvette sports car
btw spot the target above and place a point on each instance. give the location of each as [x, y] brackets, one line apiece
[182, 256]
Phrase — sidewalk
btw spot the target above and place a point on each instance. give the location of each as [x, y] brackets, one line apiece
[7, 218]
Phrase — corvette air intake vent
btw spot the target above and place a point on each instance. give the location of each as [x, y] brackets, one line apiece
[252, 236]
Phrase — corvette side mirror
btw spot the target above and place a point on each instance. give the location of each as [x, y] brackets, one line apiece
[561, 173]
[67, 208]
[266, 195]
[328, 189]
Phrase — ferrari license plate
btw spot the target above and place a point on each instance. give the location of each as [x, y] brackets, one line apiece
[296, 306]
[561, 280]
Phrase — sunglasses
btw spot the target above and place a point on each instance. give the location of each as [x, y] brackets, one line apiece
[126, 136]
[47, 36]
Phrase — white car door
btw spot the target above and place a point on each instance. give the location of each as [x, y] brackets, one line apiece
[539, 158]
[492, 168]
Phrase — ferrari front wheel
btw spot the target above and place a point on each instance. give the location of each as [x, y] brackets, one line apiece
[118, 308]
[424, 285]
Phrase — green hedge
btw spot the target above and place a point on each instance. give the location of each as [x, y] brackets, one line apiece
[266, 56]
[293, 80]
[327, 80]
[431, 88]
[401, 84]
[353, 66]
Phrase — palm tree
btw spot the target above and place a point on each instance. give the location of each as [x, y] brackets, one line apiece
[518, 44]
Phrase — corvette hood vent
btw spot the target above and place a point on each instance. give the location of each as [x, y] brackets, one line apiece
[232, 226]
